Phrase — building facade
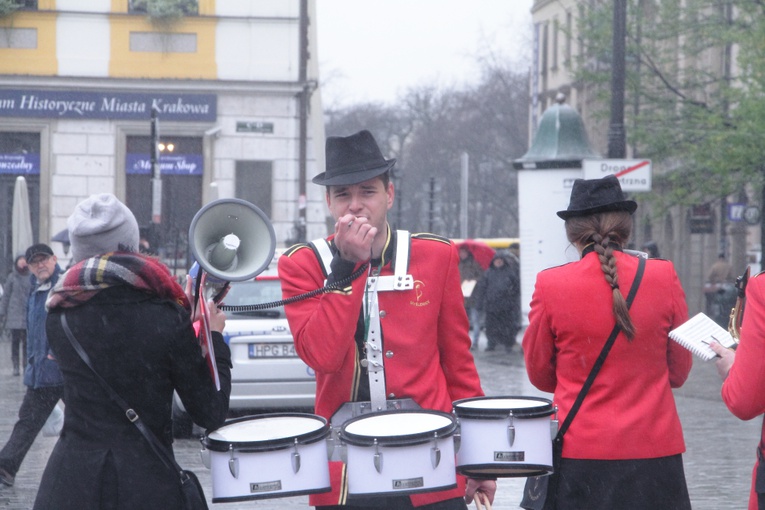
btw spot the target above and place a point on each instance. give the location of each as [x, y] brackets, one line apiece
[232, 84]
[692, 237]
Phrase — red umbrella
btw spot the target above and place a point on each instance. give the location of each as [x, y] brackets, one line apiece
[481, 251]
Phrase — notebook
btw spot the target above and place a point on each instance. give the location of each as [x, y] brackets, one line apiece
[696, 334]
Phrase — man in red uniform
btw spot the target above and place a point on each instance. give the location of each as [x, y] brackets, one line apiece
[425, 346]
[744, 380]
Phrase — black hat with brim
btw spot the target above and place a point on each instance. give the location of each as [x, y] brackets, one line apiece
[352, 159]
[592, 196]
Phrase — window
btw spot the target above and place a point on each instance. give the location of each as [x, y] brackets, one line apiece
[253, 184]
[160, 8]
[19, 38]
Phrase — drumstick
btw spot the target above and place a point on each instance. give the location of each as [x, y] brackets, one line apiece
[486, 503]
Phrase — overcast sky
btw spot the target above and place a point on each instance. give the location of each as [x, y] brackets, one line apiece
[373, 50]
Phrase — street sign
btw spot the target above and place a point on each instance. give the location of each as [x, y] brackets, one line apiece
[633, 174]
[752, 215]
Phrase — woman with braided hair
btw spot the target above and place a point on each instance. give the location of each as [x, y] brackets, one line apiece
[624, 448]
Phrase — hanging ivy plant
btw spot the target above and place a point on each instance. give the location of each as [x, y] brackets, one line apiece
[8, 7]
[164, 11]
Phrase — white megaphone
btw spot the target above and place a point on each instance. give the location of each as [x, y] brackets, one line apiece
[232, 240]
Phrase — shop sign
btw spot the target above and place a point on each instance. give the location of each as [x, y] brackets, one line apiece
[62, 104]
[177, 164]
[23, 164]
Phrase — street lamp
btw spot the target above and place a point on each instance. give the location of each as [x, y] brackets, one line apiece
[617, 146]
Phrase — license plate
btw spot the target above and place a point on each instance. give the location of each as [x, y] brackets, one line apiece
[281, 350]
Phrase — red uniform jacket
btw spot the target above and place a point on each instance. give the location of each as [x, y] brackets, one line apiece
[424, 330]
[742, 390]
[629, 413]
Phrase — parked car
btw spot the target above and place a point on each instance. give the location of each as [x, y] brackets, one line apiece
[267, 373]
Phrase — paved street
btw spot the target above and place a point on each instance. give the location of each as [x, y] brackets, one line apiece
[718, 461]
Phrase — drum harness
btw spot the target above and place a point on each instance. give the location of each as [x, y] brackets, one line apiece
[373, 361]
[374, 358]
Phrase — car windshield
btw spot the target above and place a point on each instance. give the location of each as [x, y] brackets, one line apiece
[254, 292]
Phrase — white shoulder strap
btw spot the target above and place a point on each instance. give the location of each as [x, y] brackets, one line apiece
[324, 254]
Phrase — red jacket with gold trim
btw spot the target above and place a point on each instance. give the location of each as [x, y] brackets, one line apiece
[424, 330]
[742, 390]
[629, 412]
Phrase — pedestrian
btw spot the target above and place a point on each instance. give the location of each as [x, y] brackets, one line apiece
[744, 380]
[424, 327]
[13, 310]
[134, 323]
[470, 273]
[652, 249]
[624, 447]
[42, 375]
[498, 298]
[720, 291]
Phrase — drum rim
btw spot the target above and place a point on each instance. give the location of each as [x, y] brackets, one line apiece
[502, 470]
[219, 445]
[402, 439]
[498, 413]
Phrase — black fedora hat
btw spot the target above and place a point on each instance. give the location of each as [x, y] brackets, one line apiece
[590, 196]
[352, 159]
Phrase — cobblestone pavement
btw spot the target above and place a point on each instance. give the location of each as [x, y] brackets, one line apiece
[718, 462]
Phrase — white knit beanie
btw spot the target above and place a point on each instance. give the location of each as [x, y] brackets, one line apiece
[101, 224]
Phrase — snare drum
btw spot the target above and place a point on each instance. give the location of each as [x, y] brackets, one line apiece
[399, 452]
[504, 436]
[269, 456]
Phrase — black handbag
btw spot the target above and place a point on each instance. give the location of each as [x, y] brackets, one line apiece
[541, 492]
[191, 489]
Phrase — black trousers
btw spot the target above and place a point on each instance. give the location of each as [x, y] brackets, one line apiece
[398, 503]
[34, 411]
[18, 348]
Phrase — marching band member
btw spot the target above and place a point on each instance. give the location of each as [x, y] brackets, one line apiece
[425, 346]
[744, 380]
[624, 447]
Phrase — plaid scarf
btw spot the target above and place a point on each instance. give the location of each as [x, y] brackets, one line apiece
[90, 276]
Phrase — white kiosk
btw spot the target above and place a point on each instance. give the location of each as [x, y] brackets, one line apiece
[545, 176]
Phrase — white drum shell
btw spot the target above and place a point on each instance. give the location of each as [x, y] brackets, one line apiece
[405, 469]
[485, 447]
[407, 443]
[270, 474]
[267, 450]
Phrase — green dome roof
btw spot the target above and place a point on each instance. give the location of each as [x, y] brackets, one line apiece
[560, 142]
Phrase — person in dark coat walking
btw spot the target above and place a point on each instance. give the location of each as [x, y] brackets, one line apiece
[134, 321]
[471, 272]
[498, 295]
[41, 376]
[13, 310]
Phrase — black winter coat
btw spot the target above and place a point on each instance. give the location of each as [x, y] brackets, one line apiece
[498, 294]
[145, 348]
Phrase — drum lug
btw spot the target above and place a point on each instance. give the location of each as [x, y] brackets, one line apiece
[204, 454]
[296, 458]
[457, 437]
[511, 430]
[554, 424]
[435, 452]
[378, 459]
[233, 463]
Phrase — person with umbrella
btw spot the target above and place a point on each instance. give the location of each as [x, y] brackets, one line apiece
[471, 271]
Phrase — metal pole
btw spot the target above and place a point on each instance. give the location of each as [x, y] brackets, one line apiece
[156, 182]
[617, 146]
[464, 159]
[303, 98]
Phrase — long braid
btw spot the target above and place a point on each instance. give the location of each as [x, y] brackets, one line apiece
[605, 251]
[606, 230]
